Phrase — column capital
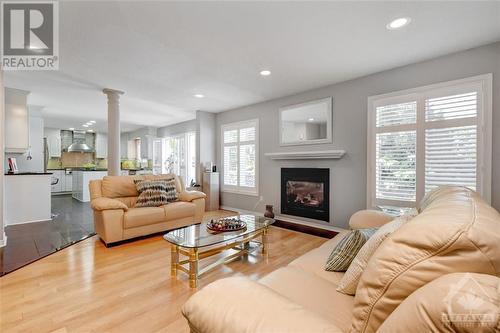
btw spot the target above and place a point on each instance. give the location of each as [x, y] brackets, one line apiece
[109, 91]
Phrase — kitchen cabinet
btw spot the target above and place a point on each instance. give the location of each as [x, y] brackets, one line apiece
[53, 142]
[16, 121]
[65, 181]
[68, 182]
[101, 146]
[59, 175]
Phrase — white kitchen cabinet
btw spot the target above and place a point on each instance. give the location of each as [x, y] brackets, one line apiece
[53, 142]
[16, 121]
[68, 183]
[101, 146]
[59, 186]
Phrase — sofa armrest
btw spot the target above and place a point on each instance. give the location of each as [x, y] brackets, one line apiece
[369, 218]
[191, 195]
[103, 203]
[238, 304]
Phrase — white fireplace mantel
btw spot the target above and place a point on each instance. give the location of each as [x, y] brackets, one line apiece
[307, 155]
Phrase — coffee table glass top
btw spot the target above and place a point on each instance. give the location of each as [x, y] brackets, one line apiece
[195, 236]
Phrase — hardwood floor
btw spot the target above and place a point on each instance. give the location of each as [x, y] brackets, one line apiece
[127, 288]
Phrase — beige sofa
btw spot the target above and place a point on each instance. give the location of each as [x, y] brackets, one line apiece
[115, 218]
[405, 288]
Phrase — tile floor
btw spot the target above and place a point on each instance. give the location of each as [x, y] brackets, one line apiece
[31, 241]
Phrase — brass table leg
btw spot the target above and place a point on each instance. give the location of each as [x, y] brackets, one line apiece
[264, 241]
[193, 268]
[174, 260]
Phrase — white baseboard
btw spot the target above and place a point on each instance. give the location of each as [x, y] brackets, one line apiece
[287, 219]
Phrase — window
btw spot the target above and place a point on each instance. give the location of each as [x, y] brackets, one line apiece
[176, 154]
[426, 137]
[240, 142]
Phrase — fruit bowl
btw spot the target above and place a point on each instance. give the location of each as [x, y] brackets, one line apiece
[226, 224]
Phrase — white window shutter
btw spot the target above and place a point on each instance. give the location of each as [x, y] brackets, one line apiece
[430, 136]
[396, 166]
[240, 156]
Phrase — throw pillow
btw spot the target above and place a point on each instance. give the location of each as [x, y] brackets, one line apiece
[171, 189]
[345, 251]
[152, 193]
[349, 281]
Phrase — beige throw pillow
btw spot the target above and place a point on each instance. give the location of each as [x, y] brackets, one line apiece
[349, 281]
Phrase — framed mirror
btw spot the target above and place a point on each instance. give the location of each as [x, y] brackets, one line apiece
[306, 123]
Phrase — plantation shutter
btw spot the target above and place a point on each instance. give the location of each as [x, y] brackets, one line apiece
[240, 157]
[434, 136]
[395, 153]
[451, 140]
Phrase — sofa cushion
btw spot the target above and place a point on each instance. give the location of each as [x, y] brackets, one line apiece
[314, 260]
[345, 251]
[136, 217]
[351, 277]
[313, 293]
[468, 302]
[129, 201]
[456, 232]
[119, 186]
[179, 210]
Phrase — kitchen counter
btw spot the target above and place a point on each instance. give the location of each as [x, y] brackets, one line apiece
[81, 179]
[28, 173]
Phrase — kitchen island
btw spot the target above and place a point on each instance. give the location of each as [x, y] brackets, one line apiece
[81, 179]
[27, 197]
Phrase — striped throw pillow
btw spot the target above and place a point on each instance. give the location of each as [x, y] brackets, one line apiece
[152, 193]
[349, 281]
[345, 251]
[171, 189]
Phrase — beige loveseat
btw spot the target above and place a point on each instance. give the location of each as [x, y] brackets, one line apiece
[408, 285]
[115, 218]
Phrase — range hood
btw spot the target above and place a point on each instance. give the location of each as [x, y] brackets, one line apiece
[79, 145]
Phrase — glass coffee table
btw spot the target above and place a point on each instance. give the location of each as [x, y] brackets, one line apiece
[196, 242]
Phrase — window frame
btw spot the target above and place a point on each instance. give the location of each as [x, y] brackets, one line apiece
[482, 84]
[238, 189]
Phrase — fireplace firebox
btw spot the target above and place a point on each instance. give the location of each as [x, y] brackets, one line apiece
[305, 192]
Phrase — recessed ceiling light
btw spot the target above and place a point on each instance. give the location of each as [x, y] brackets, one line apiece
[90, 130]
[265, 72]
[85, 125]
[92, 121]
[398, 23]
[199, 95]
[311, 119]
[71, 128]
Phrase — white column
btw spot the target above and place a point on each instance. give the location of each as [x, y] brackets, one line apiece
[113, 131]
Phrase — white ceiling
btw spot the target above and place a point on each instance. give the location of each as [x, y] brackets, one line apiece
[161, 53]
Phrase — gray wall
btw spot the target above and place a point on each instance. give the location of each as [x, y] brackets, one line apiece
[184, 127]
[348, 175]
